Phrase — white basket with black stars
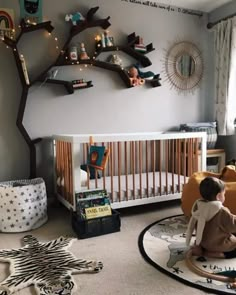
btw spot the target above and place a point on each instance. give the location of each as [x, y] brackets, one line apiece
[23, 205]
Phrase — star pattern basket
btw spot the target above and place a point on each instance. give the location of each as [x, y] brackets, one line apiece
[23, 205]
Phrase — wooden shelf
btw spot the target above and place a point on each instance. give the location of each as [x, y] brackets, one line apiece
[67, 62]
[82, 87]
[89, 22]
[155, 81]
[129, 49]
[68, 85]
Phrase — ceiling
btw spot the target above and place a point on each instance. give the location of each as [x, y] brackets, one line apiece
[201, 5]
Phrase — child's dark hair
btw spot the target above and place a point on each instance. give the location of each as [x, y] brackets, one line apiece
[210, 187]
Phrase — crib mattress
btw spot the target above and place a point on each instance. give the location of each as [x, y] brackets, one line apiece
[122, 188]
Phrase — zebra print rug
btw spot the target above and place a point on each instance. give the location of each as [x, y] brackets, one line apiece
[162, 244]
[48, 266]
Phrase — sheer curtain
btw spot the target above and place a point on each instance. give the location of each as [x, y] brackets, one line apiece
[225, 67]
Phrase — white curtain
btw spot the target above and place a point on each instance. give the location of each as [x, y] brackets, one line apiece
[225, 62]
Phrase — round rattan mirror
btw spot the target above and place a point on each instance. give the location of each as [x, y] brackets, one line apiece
[184, 66]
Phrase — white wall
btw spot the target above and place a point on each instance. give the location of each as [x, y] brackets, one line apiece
[108, 106]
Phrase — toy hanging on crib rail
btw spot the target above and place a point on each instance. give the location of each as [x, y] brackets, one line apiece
[98, 156]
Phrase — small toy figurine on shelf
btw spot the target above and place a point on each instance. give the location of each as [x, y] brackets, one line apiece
[83, 54]
[74, 18]
[108, 42]
[146, 75]
[103, 41]
[135, 80]
[115, 59]
[73, 55]
[140, 46]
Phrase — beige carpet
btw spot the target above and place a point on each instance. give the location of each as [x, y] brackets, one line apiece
[125, 271]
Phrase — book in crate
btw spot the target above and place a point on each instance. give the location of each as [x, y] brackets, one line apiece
[92, 203]
[85, 194]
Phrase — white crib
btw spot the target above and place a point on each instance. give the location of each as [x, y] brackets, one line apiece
[142, 167]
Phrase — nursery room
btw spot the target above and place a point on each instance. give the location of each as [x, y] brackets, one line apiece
[113, 113]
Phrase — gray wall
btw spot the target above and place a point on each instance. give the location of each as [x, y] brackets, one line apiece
[108, 106]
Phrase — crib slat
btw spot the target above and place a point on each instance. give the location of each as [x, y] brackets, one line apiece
[178, 161]
[190, 160]
[119, 169]
[184, 160]
[126, 172]
[154, 166]
[65, 158]
[166, 164]
[59, 166]
[67, 147]
[160, 165]
[111, 170]
[147, 169]
[104, 172]
[64, 171]
[70, 174]
[172, 165]
[196, 153]
[140, 169]
[133, 166]
[86, 152]
[62, 168]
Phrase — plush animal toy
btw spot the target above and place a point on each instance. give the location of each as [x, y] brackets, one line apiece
[74, 18]
[135, 80]
[144, 75]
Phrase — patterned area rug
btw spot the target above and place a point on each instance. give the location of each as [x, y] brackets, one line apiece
[162, 244]
[48, 266]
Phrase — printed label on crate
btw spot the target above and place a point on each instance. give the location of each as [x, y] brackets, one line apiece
[99, 211]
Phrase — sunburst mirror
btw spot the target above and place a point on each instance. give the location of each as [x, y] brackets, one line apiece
[184, 66]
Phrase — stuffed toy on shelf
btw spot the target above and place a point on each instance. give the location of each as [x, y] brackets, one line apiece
[135, 80]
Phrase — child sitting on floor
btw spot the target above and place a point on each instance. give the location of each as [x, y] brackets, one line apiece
[214, 224]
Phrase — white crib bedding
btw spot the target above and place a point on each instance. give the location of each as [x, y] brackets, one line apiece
[116, 185]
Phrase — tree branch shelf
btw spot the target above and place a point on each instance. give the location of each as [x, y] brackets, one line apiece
[82, 25]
